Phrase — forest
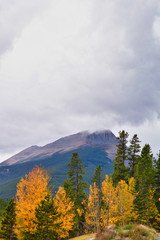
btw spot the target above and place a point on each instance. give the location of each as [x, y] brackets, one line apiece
[131, 194]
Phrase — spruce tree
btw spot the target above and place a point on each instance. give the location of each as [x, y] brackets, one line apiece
[76, 185]
[97, 182]
[120, 170]
[9, 221]
[46, 217]
[98, 177]
[144, 182]
[157, 182]
[133, 151]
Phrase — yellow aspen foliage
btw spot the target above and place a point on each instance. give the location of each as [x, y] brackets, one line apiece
[124, 202]
[92, 213]
[151, 213]
[65, 211]
[108, 211]
[80, 211]
[30, 191]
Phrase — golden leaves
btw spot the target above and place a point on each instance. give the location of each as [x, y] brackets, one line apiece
[65, 211]
[30, 191]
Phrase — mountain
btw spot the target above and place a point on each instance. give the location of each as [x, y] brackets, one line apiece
[93, 148]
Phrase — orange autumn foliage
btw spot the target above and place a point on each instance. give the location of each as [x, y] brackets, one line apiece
[65, 211]
[108, 212]
[124, 202]
[30, 191]
[92, 213]
[117, 202]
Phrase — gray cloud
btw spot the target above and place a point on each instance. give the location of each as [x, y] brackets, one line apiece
[77, 65]
[15, 15]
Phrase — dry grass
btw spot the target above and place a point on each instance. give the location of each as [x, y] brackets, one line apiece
[129, 232]
[84, 237]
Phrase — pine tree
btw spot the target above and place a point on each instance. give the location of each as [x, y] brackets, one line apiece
[97, 179]
[144, 181]
[133, 151]
[76, 185]
[120, 170]
[9, 221]
[46, 220]
[157, 182]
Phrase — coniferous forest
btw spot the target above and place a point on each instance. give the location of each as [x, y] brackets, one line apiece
[130, 195]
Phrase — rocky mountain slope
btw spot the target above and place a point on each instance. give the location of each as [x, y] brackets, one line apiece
[93, 148]
[104, 139]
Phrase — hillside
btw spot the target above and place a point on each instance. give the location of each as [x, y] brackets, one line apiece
[126, 232]
[93, 148]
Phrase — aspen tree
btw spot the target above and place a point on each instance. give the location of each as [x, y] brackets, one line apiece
[30, 191]
[64, 207]
[108, 211]
[124, 203]
[92, 213]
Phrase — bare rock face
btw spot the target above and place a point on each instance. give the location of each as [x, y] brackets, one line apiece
[104, 139]
[101, 137]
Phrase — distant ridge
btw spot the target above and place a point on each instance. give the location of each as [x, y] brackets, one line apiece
[103, 138]
[94, 148]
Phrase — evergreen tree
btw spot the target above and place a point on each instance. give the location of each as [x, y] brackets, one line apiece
[98, 177]
[76, 185]
[120, 170]
[46, 220]
[157, 182]
[97, 180]
[133, 151]
[144, 182]
[69, 189]
[8, 221]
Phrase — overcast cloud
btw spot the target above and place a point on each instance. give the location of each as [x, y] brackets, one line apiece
[68, 66]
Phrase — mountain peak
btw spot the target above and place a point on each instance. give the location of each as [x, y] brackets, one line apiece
[103, 138]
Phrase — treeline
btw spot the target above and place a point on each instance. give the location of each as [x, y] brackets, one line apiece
[131, 193]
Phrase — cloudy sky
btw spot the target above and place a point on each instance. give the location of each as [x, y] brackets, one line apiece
[69, 66]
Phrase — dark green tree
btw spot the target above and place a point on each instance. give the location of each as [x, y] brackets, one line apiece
[98, 178]
[46, 216]
[133, 151]
[3, 205]
[74, 187]
[120, 170]
[144, 181]
[9, 221]
[157, 182]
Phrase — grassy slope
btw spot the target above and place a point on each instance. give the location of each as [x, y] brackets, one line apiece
[128, 232]
[84, 237]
